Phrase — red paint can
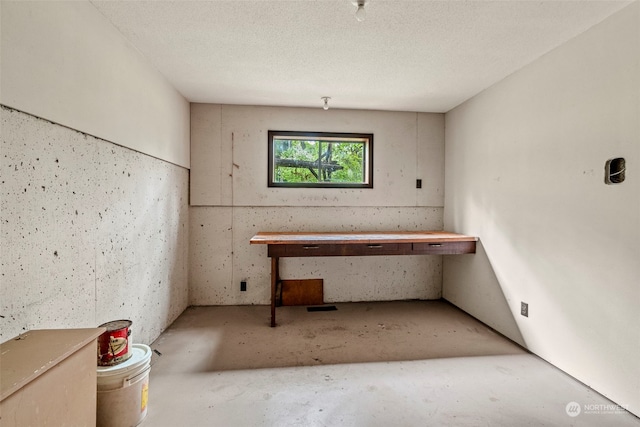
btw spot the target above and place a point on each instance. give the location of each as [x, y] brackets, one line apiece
[113, 344]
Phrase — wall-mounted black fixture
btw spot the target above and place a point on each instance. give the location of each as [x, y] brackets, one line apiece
[614, 170]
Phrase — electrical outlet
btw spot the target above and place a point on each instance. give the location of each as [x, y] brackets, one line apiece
[243, 286]
[418, 183]
[524, 309]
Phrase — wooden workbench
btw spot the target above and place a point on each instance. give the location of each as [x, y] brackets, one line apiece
[321, 244]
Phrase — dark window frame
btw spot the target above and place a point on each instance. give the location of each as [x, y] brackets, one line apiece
[368, 159]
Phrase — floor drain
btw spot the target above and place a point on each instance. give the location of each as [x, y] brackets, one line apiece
[323, 308]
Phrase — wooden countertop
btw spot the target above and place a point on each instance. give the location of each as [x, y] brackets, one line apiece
[310, 238]
[29, 355]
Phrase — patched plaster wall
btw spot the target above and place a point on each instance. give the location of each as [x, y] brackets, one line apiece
[91, 232]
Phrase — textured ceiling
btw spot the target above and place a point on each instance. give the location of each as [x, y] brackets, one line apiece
[407, 55]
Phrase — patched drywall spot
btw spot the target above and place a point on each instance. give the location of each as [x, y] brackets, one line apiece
[91, 232]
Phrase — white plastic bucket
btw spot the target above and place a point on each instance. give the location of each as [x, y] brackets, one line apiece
[123, 390]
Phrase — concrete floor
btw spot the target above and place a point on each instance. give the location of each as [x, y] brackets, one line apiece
[367, 364]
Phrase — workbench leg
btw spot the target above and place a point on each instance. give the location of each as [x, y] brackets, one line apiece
[275, 278]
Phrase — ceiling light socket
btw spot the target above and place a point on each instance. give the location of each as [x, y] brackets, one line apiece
[326, 102]
[361, 13]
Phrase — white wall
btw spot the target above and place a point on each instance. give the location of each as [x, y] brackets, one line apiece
[65, 62]
[94, 218]
[524, 171]
[232, 203]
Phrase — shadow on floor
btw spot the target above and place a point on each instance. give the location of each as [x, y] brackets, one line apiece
[209, 339]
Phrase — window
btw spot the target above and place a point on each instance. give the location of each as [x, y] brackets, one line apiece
[320, 159]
